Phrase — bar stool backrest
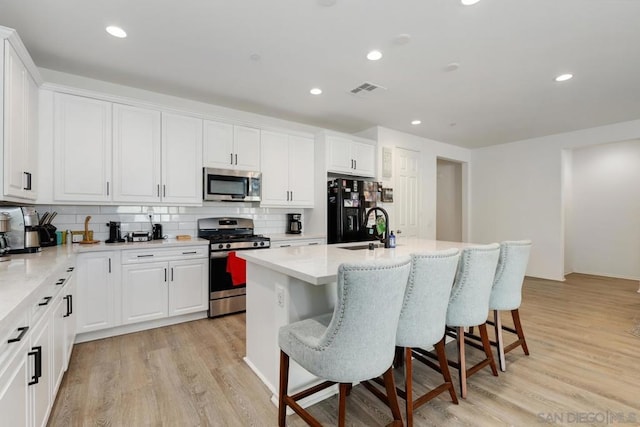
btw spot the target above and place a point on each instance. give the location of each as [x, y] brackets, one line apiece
[506, 293]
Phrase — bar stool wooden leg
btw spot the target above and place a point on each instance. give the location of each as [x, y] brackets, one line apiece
[444, 367]
[515, 314]
[392, 396]
[497, 325]
[284, 384]
[342, 406]
[487, 348]
[462, 366]
[408, 384]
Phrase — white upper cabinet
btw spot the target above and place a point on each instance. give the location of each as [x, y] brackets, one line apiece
[82, 149]
[347, 156]
[181, 159]
[20, 127]
[229, 146]
[136, 154]
[287, 170]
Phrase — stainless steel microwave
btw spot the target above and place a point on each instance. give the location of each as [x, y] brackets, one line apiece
[226, 185]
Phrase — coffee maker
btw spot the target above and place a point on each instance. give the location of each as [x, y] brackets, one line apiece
[294, 223]
[23, 236]
[115, 235]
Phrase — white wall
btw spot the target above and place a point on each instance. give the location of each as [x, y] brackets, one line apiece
[517, 192]
[605, 220]
[430, 151]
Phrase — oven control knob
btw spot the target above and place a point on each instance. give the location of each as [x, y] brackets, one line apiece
[220, 246]
[228, 245]
[261, 243]
[255, 243]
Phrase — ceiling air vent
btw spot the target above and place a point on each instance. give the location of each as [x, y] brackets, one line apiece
[366, 89]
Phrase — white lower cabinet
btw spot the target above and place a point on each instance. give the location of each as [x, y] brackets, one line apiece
[158, 284]
[34, 353]
[39, 372]
[13, 389]
[97, 289]
[145, 293]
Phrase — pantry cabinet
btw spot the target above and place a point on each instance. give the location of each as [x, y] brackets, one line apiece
[20, 130]
[82, 149]
[163, 283]
[228, 146]
[287, 170]
[351, 157]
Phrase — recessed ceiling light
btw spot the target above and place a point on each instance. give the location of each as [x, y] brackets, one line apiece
[374, 55]
[402, 39]
[469, 2]
[315, 91]
[255, 57]
[116, 31]
[564, 77]
[452, 66]
[416, 122]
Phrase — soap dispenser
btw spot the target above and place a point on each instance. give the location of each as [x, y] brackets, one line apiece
[392, 240]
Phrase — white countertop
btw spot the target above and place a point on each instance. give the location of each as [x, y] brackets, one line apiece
[24, 273]
[164, 243]
[318, 264]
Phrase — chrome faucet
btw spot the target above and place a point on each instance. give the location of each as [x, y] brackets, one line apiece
[385, 239]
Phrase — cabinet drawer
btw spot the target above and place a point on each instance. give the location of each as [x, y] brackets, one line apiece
[13, 332]
[165, 254]
[45, 296]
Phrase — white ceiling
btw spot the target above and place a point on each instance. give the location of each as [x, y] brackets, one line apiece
[509, 51]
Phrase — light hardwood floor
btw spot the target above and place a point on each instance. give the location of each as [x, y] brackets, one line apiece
[584, 368]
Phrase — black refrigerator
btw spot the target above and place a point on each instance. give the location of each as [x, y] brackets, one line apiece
[348, 201]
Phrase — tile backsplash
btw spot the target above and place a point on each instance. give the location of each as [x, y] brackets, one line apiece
[174, 219]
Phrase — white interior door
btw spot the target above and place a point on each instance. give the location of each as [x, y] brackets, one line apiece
[406, 196]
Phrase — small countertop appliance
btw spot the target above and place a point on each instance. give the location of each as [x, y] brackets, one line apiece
[294, 223]
[23, 235]
[115, 235]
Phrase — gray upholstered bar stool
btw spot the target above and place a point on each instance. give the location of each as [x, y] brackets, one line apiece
[506, 294]
[355, 343]
[422, 321]
[469, 306]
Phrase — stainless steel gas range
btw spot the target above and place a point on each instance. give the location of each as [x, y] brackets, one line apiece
[227, 273]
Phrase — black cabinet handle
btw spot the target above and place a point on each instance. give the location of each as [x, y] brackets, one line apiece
[172, 274]
[46, 301]
[70, 269]
[107, 188]
[69, 299]
[23, 330]
[236, 159]
[158, 190]
[37, 364]
[165, 274]
[60, 282]
[355, 164]
[292, 195]
[231, 158]
[164, 190]
[145, 256]
[28, 186]
[189, 253]
[109, 265]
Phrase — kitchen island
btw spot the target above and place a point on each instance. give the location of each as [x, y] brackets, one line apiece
[286, 285]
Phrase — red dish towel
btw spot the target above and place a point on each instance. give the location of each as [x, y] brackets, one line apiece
[237, 268]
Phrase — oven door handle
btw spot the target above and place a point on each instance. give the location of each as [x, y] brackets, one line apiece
[220, 254]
